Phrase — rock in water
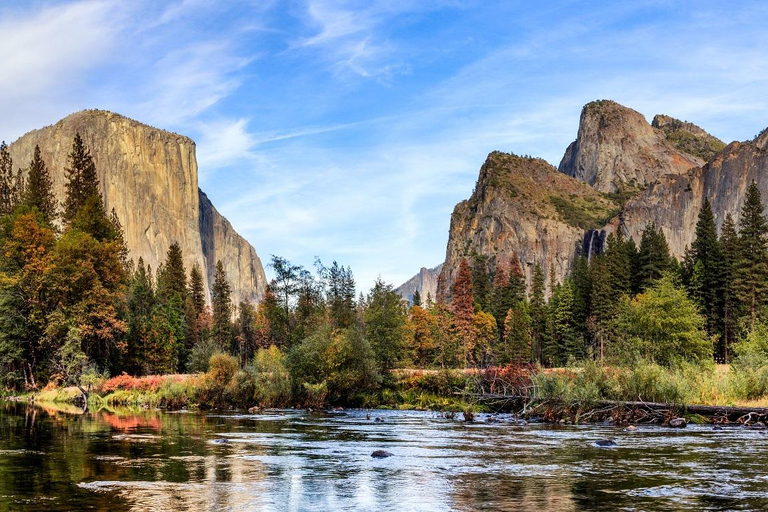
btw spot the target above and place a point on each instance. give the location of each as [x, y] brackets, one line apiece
[630, 428]
[149, 177]
[381, 454]
[678, 423]
[606, 443]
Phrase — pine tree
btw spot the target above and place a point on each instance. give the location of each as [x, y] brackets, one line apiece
[654, 256]
[481, 282]
[416, 299]
[617, 260]
[729, 241]
[141, 303]
[197, 289]
[538, 311]
[222, 308]
[518, 337]
[751, 280]
[462, 306]
[565, 341]
[173, 279]
[341, 295]
[582, 292]
[82, 180]
[39, 189]
[708, 289]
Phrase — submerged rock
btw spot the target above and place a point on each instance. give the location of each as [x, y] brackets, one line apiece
[606, 443]
[381, 454]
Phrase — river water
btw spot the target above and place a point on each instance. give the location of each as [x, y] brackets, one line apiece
[52, 459]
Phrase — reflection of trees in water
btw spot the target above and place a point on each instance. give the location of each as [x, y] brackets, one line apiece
[510, 492]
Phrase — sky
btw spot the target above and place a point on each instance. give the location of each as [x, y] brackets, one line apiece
[349, 130]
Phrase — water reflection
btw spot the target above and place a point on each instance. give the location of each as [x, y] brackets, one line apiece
[53, 459]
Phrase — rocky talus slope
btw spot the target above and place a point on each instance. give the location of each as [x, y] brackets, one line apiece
[149, 177]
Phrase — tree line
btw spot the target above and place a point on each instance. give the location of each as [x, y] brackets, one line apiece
[73, 304]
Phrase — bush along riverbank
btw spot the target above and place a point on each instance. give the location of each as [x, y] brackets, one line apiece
[587, 392]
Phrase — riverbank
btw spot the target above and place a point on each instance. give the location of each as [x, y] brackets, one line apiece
[644, 393]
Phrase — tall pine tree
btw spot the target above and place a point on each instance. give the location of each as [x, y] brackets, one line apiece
[82, 180]
[729, 242]
[39, 189]
[222, 308]
[751, 280]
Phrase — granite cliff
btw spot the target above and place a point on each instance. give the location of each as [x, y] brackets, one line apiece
[620, 173]
[523, 205]
[616, 150]
[425, 282]
[149, 177]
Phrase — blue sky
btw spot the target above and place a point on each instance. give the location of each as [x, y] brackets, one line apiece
[349, 130]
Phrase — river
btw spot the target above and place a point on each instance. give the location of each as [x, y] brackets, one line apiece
[54, 459]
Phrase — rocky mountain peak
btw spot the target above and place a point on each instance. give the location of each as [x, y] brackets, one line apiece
[761, 141]
[616, 150]
[688, 137]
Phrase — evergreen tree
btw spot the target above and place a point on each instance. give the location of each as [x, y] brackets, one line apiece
[246, 339]
[654, 258]
[197, 289]
[618, 264]
[565, 340]
[462, 307]
[82, 180]
[538, 311]
[751, 279]
[172, 304]
[481, 282]
[582, 292]
[603, 304]
[416, 299]
[707, 278]
[341, 295]
[222, 308]
[141, 304]
[518, 338]
[39, 189]
[729, 241]
[173, 278]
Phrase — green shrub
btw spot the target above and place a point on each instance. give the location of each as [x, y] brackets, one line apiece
[273, 382]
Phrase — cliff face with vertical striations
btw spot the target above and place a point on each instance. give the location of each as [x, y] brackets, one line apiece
[149, 177]
[616, 150]
[673, 203]
[523, 206]
[425, 282]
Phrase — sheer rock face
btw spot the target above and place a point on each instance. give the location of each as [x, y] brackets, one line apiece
[523, 206]
[149, 177]
[616, 150]
[425, 282]
[674, 202]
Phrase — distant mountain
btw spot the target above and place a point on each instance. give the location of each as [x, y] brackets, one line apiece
[149, 177]
[425, 282]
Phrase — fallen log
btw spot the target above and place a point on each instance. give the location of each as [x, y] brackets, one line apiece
[731, 413]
